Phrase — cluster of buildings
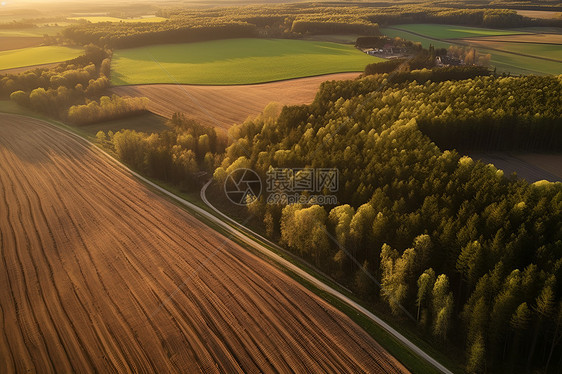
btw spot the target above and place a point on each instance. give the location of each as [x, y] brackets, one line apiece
[388, 49]
[448, 61]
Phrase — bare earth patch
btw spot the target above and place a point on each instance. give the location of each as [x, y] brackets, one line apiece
[100, 274]
[545, 14]
[223, 106]
[530, 166]
[17, 42]
[551, 163]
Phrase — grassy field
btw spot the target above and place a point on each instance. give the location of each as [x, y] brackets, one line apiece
[37, 55]
[234, 61]
[502, 61]
[146, 122]
[98, 19]
[452, 32]
[546, 38]
[551, 51]
[425, 42]
[334, 38]
[33, 31]
[507, 62]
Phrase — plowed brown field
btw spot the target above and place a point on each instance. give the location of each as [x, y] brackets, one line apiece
[16, 42]
[223, 106]
[100, 274]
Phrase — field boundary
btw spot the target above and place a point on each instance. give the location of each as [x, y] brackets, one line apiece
[237, 84]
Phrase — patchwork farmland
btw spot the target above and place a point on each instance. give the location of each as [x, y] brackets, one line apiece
[127, 129]
[518, 51]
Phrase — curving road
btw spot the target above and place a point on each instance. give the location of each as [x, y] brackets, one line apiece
[303, 274]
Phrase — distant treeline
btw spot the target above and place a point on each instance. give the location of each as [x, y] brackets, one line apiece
[399, 70]
[17, 25]
[125, 35]
[286, 21]
[500, 18]
[334, 27]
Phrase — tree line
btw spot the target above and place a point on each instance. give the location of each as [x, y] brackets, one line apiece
[285, 21]
[127, 35]
[75, 90]
[177, 155]
[108, 107]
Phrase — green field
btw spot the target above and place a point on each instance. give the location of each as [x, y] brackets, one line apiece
[334, 38]
[34, 31]
[16, 58]
[98, 19]
[510, 63]
[502, 61]
[540, 50]
[453, 32]
[425, 42]
[234, 61]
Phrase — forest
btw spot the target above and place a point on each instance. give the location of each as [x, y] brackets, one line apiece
[455, 243]
[177, 155]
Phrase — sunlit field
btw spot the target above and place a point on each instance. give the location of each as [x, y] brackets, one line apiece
[237, 61]
[37, 55]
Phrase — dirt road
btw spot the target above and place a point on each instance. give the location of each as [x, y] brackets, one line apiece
[99, 273]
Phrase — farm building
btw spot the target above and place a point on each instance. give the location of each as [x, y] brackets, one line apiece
[448, 61]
